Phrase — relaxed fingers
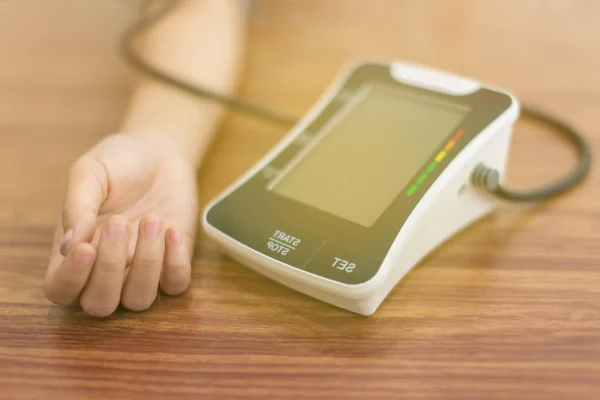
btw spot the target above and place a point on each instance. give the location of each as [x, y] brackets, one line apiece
[87, 188]
[102, 294]
[141, 284]
[64, 284]
[176, 274]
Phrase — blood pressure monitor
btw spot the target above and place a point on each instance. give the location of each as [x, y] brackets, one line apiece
[371, 180]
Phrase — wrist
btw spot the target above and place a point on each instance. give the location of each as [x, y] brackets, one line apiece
[168, 142]
[160, 112]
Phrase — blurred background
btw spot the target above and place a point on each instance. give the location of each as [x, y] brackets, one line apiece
[61, 78]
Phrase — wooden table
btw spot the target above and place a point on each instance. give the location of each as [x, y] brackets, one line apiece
[509, 309]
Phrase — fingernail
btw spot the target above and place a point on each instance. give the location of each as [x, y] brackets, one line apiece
[68, 235]
[66, 239]
[175, 237]
[152, 228]
[116, 230]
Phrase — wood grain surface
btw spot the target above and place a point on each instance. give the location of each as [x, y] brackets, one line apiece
[508, 309]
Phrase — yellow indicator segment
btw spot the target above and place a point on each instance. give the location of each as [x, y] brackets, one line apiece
[440, 156]
[449, 145]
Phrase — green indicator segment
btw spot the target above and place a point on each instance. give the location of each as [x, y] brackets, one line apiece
[422, 178]
[431, 167]
[412, 189]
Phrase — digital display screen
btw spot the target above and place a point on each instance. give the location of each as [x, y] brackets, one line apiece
[368, 152]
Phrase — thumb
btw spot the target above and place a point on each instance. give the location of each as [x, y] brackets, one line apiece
[87, 188]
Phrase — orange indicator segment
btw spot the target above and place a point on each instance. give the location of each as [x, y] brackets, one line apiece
[449, 145]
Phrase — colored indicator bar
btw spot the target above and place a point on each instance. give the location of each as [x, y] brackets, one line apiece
[458, 134]
[440, 156]
[412, 189]
[431, 167]
[422, 178]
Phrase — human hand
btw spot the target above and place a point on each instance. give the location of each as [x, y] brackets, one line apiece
[128, 226]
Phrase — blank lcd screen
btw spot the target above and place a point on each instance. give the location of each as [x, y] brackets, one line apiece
[368, 152]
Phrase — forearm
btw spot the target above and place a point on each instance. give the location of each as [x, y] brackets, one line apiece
[199, 41]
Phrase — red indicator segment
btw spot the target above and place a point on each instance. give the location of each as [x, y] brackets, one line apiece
[458, 134]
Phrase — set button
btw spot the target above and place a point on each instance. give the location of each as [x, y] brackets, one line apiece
[343, 265]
